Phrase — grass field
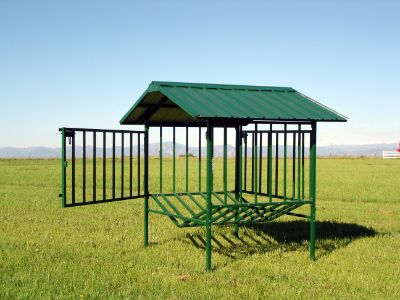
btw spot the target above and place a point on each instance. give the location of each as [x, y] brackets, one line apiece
[96, 251]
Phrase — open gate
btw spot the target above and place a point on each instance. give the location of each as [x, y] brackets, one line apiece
[101, 165]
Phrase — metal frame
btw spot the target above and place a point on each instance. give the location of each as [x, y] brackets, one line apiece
[189, 208]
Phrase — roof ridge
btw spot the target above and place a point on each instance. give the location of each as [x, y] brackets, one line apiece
[221, 86]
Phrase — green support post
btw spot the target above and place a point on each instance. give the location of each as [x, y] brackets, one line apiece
[285, 163]
[146, 185]
[313, 165]
[255, 176]
[225, 166]
[209, 191]
[173, 158]
[187, 159]
[63, 169]
[238, 173]
[161, 157]
[270, 164]
[299, 162]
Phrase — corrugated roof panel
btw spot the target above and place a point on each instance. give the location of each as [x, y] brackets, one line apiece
[195, 101]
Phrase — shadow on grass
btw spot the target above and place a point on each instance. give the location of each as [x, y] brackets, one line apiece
[280, 236]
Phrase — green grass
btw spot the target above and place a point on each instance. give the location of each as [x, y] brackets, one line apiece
[96, 251]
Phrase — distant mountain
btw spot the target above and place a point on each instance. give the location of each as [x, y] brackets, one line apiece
[46, 152]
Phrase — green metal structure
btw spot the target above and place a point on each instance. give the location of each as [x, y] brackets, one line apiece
[275, 156]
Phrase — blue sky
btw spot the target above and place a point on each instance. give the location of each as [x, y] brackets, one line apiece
[84, 63]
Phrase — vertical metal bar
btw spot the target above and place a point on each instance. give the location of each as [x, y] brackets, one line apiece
[63, 169]
[252, 161]
[200, 159]
[299, 162]
[260, 165]
[276, 163]
[146, 187]
[173, 158]
[104, 165]
[94, 165]
[73, 169]
[122, 164]
[84, 166]
[209, 191]
[237, 173]
[302, 165]
[130, 164]
[225, 167]
[313, 157]
[187, 159]
[113, 165]
[240, 164]
[285, 163]
[138, 165]
[294, 167]
[255, 164]
[270, 164]
[245, 162]
[161, 159]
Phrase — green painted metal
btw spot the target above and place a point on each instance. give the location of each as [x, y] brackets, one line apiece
[199, 159]
[146, 187]
[191, 102]
[299, 163]
[270, 166]
[161, 159]
[225, 164]
[285, 163]
[255, 176]
[313, 165]
[173, 159]
[187, 159]
[209, 191]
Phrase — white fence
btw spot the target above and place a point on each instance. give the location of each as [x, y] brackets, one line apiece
[390, 154]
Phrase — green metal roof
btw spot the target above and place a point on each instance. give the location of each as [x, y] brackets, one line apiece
[186, 103]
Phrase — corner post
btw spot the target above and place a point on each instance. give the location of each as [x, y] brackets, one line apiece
[63, 169]
[146, 186]
[313, 165]
[210, 130]
[237, 172]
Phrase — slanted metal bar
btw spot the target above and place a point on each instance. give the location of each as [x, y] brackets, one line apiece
[73, 169]
[113, 165]
[194, 200]
[219, 198]
[187, 159]
[185, 205]
[130, 164]
[84, 166]
[122, 165]
[225, 162]
[297, 215]
[174, 208]
[104, 165]
[285, 163]
[94, 166]
[233, 198]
